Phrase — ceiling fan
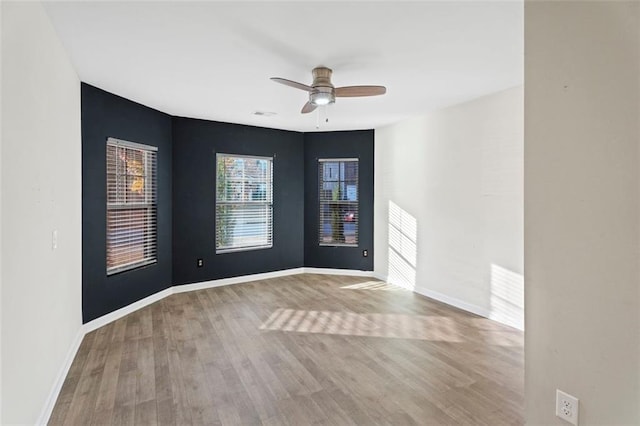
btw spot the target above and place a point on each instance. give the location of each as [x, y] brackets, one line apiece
[322, 92]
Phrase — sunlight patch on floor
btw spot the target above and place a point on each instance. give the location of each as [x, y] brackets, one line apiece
[400, 326]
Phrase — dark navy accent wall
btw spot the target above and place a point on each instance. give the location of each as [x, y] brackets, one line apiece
[195, 143]
[347, 144]
[106, 115]
[186, 199]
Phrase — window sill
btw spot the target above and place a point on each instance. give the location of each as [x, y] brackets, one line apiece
[235, 250]
[130, 267]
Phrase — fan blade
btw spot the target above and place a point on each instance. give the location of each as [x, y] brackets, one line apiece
[352, 91]
[291, 83]
[308, 107]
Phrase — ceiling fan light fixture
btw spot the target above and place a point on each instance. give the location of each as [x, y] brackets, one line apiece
[322, 98]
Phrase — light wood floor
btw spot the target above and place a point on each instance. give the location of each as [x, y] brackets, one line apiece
[305, 349]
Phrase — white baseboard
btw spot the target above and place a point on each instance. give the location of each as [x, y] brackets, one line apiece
[126, 310]
[461, 304]
[475, 309]
[43, 419]
[469, 307]
[236, 280]
[506, 320]
[379, 276]
[331, 271]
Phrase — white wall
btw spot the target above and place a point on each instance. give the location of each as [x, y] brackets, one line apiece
[449, 205]
[0, 217]
[582, 118]
[41, 191]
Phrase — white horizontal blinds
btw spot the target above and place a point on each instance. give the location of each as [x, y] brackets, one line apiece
[131, 205]
[338, 194]
[244, 202]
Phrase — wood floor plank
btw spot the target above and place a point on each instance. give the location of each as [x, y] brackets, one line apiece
[82, 407]
[180, 403]
[165, 409]
[297, 350]
[109, 384]
[145, 409]
[146, 413]
[125, 399]
[70, 384]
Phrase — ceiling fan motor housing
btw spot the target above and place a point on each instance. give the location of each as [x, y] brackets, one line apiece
[323, 92]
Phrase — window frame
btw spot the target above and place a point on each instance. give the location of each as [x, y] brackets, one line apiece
[267, 203]
[355, 203]
[150, 203]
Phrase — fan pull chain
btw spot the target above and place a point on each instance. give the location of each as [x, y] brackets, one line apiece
[325, 116]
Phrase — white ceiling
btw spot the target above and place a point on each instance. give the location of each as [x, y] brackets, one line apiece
[213, 60]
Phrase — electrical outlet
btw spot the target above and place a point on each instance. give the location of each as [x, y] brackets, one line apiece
[200, 263]
[567, 407]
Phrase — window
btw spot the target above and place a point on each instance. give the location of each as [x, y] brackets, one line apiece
[131, 205]
[244, 203]
[338, 193]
